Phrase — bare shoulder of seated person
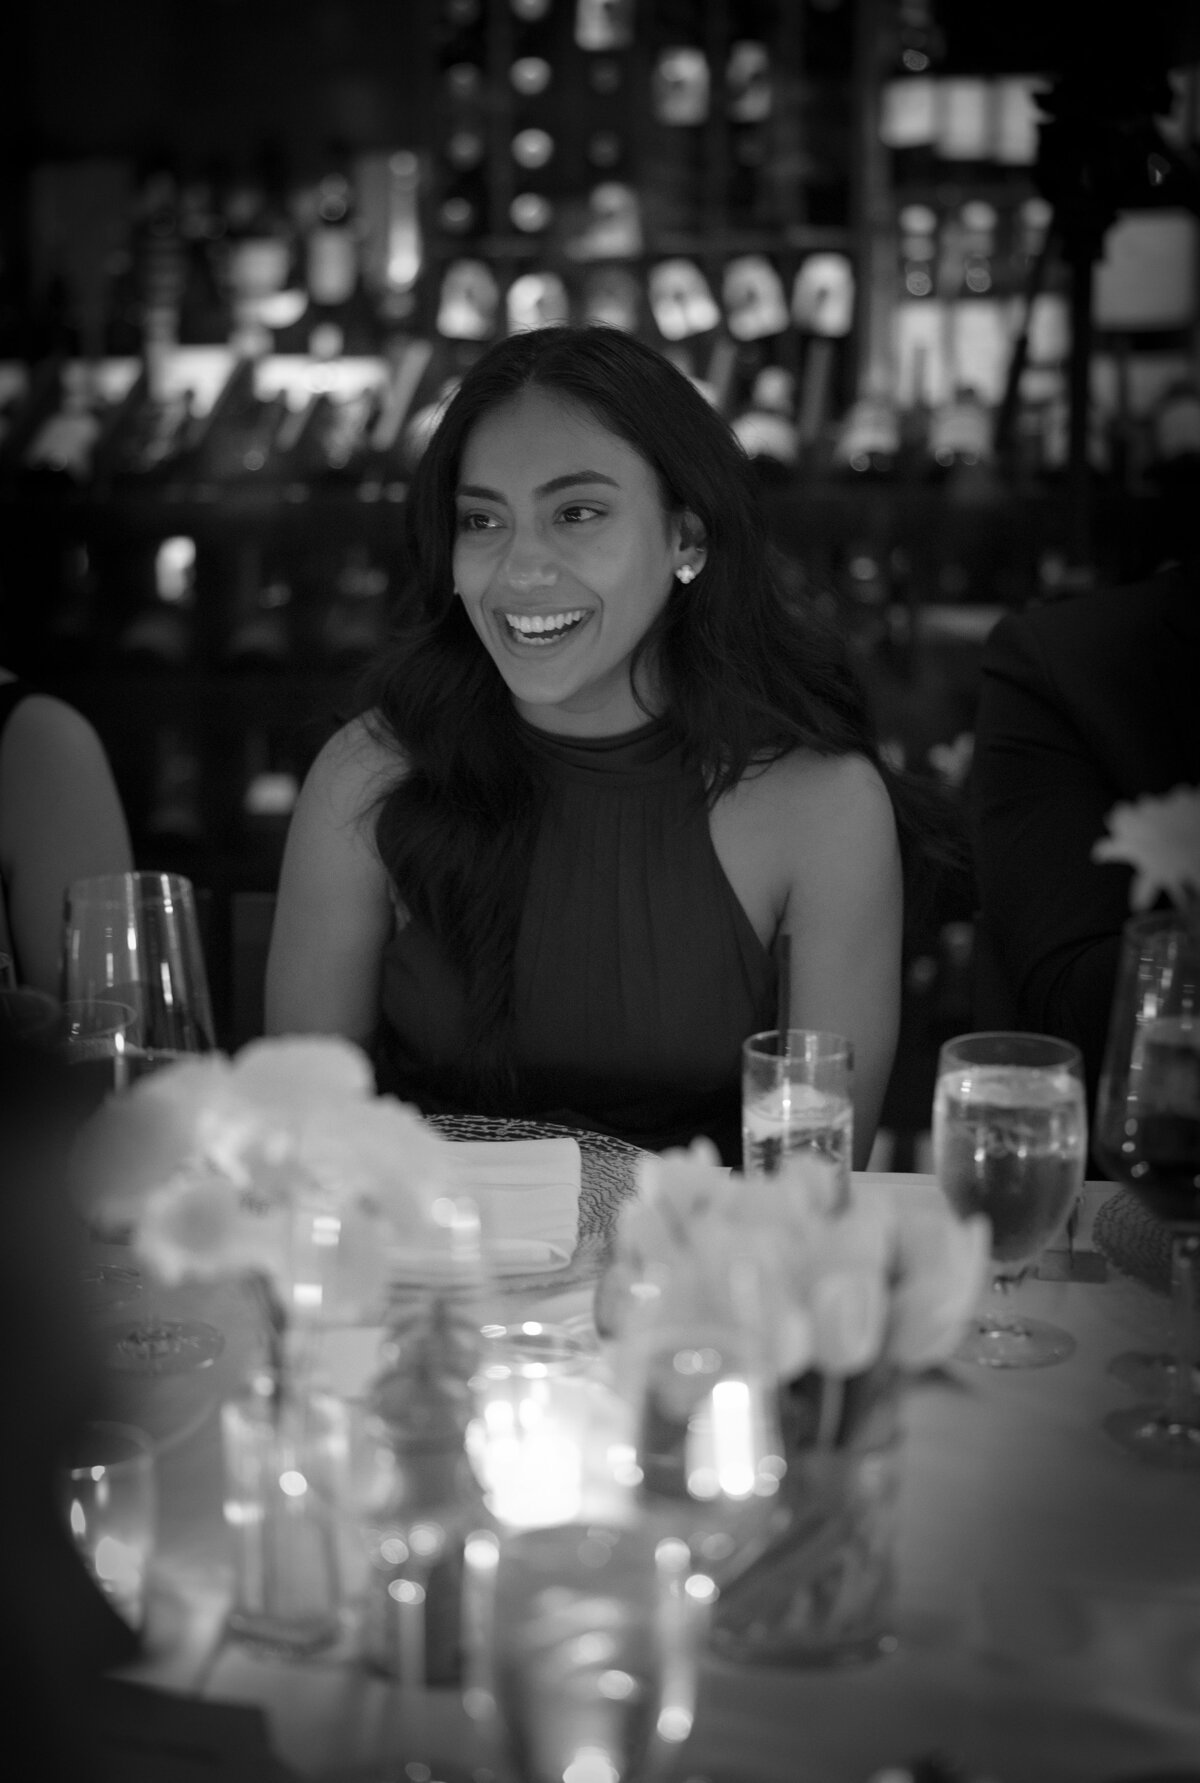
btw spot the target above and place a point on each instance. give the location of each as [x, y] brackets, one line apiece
[334, 910]
[810, 844]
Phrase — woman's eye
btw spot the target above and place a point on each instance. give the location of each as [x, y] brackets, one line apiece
[580, 511]
[476, 522]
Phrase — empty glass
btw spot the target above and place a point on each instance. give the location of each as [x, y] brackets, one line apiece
[135, 938]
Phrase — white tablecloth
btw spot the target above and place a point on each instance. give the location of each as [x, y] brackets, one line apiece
[1049, 1612]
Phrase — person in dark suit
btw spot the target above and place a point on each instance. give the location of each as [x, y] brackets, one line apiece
[1084, 702]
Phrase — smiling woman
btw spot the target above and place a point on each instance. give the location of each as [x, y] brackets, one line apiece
[601, 772]
[563, 572]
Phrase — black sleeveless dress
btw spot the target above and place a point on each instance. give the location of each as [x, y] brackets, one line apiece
[638, 973]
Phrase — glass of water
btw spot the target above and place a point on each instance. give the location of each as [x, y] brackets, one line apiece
[797, 1102]
[583, 1643]
[1010, 1141]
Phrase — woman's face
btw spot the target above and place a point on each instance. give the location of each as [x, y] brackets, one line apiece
[563, 557]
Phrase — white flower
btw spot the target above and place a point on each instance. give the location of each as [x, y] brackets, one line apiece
[849, 1310]
[222, 1165]
[841, 1283]
[1160, 838]
[943, 1265]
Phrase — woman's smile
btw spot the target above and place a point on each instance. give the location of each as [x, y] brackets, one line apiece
[541, 630]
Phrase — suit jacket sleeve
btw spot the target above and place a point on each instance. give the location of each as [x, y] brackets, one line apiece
[1039, 799]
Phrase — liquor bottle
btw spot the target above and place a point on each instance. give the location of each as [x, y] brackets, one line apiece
[908, 110]
[340, 319]
[175, 813]
[257, 253]
[261, 609]
[388, 194]
[270, 785]
[603, 25]
[59, 453]
[327, 444]
[237, 439]
[748, 108]
[766, 427]
[204, 318]
[161, 633]
[384, 470]
[354, 622]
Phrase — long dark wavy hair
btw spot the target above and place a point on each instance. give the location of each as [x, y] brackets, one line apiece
[742, 675]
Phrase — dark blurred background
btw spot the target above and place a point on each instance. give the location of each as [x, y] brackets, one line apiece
[936, 262]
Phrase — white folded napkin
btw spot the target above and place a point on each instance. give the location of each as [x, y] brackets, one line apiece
[527, 1193]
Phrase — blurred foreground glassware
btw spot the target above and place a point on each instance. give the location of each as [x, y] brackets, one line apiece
[821, 1589]
[797, 1101]
[1010, 1142]
[135, 938]
[583, 1642]
[108, 1495]
[99, 1036]
[284, 1457]
[1148, 1138]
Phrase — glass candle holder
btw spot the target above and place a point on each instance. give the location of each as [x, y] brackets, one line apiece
[108, 1496]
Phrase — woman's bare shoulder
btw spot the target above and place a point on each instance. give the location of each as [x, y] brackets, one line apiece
[354, 769]
[805, 783]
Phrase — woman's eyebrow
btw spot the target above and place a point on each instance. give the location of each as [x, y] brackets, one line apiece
[568, 480]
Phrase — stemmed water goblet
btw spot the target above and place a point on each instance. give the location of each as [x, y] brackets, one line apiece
[133, 939]
[1010, 1142]
[1148, 1138]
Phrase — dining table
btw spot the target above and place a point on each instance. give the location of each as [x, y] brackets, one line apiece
[1048, 1599]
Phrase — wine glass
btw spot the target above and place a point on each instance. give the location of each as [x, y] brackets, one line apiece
[1010, 1141]
[1148, 1138]
[135, 938]
[99, 1034]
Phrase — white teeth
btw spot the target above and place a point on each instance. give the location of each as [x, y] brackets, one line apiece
[553, 624]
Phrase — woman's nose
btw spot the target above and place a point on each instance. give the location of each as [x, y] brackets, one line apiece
[527, 566]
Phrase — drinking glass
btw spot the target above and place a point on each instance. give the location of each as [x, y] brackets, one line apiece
[797, 1102]
[106, 1486]
[692, 1363]
[583, 1646]
[1010, 1141]
[99, 1035]
[1148, 1138]
[135, 938]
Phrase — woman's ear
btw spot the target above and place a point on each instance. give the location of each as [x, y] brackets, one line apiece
[692, 549]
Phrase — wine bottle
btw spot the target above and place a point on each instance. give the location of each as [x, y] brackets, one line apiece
[161, 633]
[260, 635]
[339, 319]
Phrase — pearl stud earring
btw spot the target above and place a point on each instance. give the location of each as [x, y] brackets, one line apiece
[685, 573]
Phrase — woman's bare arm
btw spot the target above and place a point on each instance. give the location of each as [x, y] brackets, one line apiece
[845, 913]
[334, 913]
[61, 818]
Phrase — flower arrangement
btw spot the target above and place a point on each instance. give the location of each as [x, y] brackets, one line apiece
[1160, 839]
[280, 1163]
[854, 1290]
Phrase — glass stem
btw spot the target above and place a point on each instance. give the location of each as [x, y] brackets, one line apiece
[1183, 1407]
